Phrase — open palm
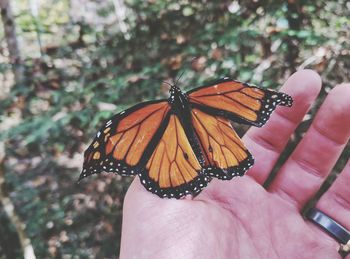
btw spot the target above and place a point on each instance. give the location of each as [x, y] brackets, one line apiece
[242, 219]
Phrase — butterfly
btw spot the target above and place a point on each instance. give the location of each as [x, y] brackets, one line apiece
[177, 145]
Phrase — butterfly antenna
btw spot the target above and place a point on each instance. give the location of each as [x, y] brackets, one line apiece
[178, 79]
[167, 83]
[163, 82]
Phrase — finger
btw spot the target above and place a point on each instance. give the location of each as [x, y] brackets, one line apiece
[267, 143]
[336, 201]
[305, 170]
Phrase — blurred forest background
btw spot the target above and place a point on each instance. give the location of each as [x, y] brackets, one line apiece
[66, 66]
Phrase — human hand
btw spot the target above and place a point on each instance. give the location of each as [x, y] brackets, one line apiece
[241, 219]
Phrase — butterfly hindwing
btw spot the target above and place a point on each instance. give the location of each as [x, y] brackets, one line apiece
[120, 144]
[173, 169]
[238, 101]
[226, 154]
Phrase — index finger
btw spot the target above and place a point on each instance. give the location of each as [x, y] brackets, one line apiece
[267, 143]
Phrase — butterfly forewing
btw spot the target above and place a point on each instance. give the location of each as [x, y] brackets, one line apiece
[238, 101]
[120, 144]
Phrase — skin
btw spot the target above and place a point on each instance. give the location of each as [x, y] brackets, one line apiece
[242, 219]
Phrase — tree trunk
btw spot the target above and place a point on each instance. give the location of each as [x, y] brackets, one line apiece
[11, 40]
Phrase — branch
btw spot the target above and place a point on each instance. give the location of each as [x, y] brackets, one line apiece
[27, 248]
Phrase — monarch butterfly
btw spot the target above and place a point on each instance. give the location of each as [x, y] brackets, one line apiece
[177, 145]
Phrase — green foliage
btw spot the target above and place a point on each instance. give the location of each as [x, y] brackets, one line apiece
[91, 70]
[163, 38]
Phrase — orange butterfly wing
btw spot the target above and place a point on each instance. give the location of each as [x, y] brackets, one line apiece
[238, 101]
[225, 153]
[121, 143]
[175, 154]
[173, 169]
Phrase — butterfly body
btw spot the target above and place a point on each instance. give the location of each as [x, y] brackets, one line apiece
[181, 107]
[176, 146]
